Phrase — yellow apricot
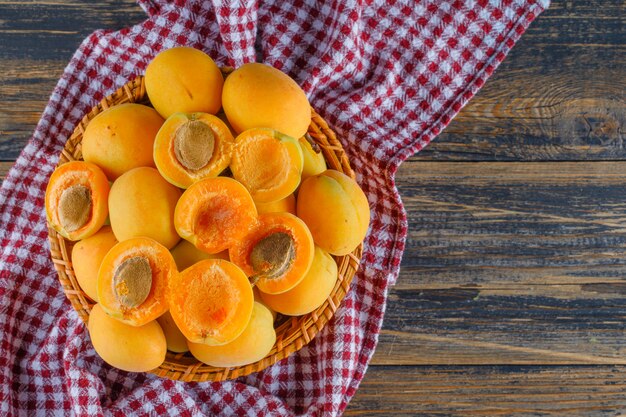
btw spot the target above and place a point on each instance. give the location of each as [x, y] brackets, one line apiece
[311, 292]
[251, 346]
[258, 95]
[184, 80]
[129, 348]
[336, 211]
[87, 255]
[186, 254]
[314, 162]
[176, 341]
[287, 204]
[121, 138]
[142, 203]
[258, 299]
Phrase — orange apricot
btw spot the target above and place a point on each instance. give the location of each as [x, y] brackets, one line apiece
[184, 79]
[336, 211]
[314, 162]
[214, 213]
[268, 163]
[211, 302]
[121, 138]
[252, 345]
[176, 341]
[277, 253]
[76, 199]
[258, 95]
[287, 204]
[258, 299]
[186, 254]
[311, 292]
[87, 255]
[190, 147]
[133, 280]
[142, 203]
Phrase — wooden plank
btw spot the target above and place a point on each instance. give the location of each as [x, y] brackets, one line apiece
[4, 169]
[486, 391]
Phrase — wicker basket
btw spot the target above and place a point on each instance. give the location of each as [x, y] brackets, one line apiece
[292, 333]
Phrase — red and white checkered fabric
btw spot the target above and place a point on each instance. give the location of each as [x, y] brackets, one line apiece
[388, 76]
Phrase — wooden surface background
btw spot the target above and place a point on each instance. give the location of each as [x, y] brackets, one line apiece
[512, 295]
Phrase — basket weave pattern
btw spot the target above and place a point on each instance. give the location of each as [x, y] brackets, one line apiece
[291, 334]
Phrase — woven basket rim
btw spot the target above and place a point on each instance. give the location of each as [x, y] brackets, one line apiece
[292, 333]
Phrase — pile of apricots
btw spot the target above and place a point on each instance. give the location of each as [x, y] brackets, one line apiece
[199, 218]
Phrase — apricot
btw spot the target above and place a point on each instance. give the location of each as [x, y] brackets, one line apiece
[142, 203]
[214, 213]
[186, 254]
[133, 280]
[287, 204]
[258, 95]
[121, 138]
[258, 299]
[311, 292]
[314, 162]
[268, 163]
[252, 345]
[76, 199]
[277, 253]
[336, 211]
[129, 348]
[211, 302]
[190, 147]
[87, 255]
[176, 341]
[184, 80]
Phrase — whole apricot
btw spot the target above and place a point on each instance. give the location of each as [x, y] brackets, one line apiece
[287, 204]
[259, 95]
[175, 339]
[314, 162]
[87, 255]
[186, 254]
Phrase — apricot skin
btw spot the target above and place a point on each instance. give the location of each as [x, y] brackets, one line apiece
[336, 211]
[287, 204]
[132, 349]
[142, 203]
[258, 95]
[314, 163]
[186, 254]
[87, 255]
[176, 341]
[184, 79]
[121, 138]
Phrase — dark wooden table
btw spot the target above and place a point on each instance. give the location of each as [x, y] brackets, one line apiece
[512, 295]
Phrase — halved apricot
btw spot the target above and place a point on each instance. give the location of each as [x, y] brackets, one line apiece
[133, 280]
[190, 147]
[211, 302]
[287, 204]
[76, 199]
[277, 253]
[268, 163]
[214, 213]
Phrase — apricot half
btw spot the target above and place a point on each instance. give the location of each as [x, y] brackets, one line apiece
[87, 255]
[311, 292]
[268, 163]
[184, 80]
[129, 348]
[121, 138]
[214, 213]
[190, 147]
[258, 95]
[211, 302]
[142, 203]
[133, 280]
[76, 199]
[277, 253]
[252, 345]
[336, 211]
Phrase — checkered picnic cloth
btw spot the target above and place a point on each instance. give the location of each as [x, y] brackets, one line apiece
[387, 75]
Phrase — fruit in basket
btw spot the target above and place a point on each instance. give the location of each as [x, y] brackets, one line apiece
[186, 254]
[87, 255]
[121, 138]
[252, 345]
[132, 349]
[211, 301]
[184, 80]
[287, 204]
[314, 162]
[133, 280]
[258, 95]
[268, 163]
[311, 292]
[76, 199]
[214, 213]
[176, 341]
[278, 252]
[190, 147]
[336, 211]
[142, 203]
